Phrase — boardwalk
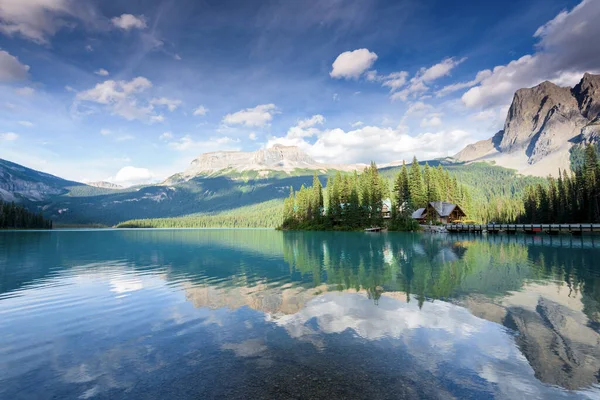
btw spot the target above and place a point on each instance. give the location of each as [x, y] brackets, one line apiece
[551, 229]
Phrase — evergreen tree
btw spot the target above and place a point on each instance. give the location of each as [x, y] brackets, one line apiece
[415, 185]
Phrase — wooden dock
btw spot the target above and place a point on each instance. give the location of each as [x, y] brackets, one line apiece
[551, 229]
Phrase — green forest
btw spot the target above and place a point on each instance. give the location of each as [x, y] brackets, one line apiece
[14, 216]
[571, 198]
[355, 201]
[263, 215]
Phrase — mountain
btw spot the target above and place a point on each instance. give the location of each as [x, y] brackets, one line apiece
[277, 160]
[19, 183]
[104, 185]
[544, 126]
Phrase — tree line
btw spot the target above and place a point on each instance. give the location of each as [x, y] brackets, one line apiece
[262, 215]
[570, 198]
[14, 216]
[354, 201]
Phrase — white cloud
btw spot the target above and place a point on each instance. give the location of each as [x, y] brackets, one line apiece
[336, 97]
[317, 119]
[89, 48]
[439, 70]
[212, 144]
[481, 75]
[258, 116]
[11, 69]
[177, 57]
[36, 20]
[166, 136]
[418, 83]
[129, 21]
[122, 98]
[171, 104]
[25, 91]
[26, 124]
[357, 124]
[101, 72]
[9, 136]
[132, 176]
[431, 122]
[105, 132]
[418, 108]
[395, 80]
[306, 127]
[352, 64]
[252, 136]
[564, 52]
[200, 111]
[383, 144]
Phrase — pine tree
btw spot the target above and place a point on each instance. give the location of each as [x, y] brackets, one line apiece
[415, 185]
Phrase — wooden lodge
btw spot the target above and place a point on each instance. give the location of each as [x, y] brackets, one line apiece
[439, 211]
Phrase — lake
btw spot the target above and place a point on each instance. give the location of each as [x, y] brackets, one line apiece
[262, 314]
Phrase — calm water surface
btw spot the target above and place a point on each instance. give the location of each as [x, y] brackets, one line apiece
[257, 314]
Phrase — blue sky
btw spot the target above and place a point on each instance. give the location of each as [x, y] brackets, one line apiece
[132, 91]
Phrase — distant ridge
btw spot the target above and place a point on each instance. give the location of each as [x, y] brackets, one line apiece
[276, 158]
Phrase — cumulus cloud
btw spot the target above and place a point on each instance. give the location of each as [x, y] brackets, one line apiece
[11, 69]
[129, 21]
[317, 119]
[306, 127]
[363, 144]
[418, 84]
[37, 20]
[129, 175]
[200, 111]
[171, 104]
[9, 136]
[252, 136]
[101, 72]
[258, 116]
[402, 88]
[565, 50]
[357, 124]
[122, 98]
[26, 124]
[481, 75]
[105, 132]
[352, 64]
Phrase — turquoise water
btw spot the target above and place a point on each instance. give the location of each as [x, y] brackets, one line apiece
[260, 314]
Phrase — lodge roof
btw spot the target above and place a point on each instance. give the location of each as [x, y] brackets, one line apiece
[443, 208]
[418, 214]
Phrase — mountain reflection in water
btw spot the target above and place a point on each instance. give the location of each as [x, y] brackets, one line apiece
[264, 314]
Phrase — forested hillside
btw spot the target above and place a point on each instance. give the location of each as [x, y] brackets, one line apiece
[13, 216]
[572, 198]
[263, 215]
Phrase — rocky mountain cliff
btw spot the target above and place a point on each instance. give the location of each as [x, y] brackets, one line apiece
[277, 158]
[542, 125]
[22, 183]
[104, 185]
